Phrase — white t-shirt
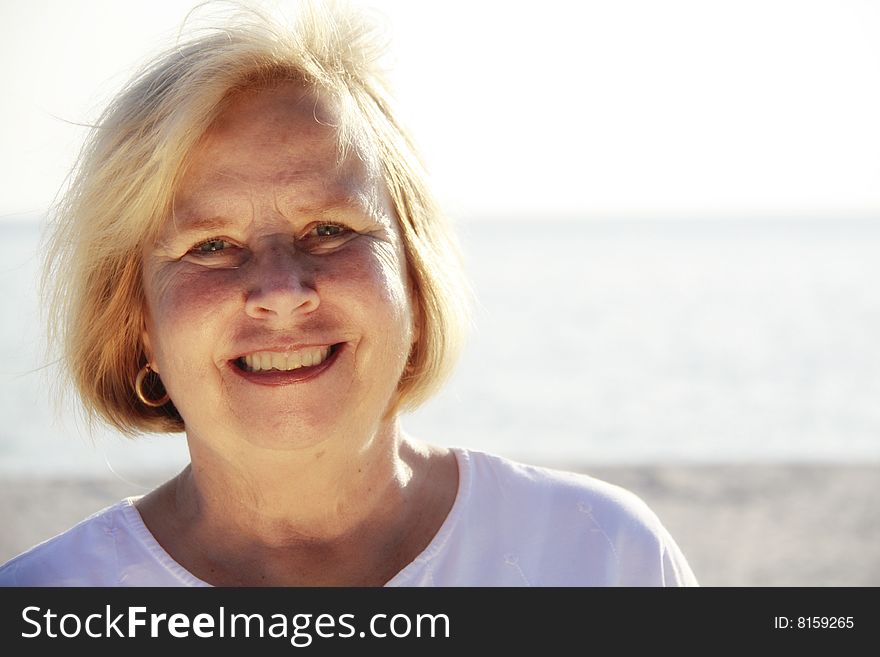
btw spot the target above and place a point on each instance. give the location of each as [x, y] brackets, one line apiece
[510, 525]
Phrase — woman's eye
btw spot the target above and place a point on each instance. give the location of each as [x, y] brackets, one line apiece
[217, 253]
[329, 230]
[211, 246]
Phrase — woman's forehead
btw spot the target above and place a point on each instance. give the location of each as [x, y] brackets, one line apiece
[282, 124]
[278, 106]
[282, 140]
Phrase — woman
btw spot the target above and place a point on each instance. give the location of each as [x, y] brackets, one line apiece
[249, 254]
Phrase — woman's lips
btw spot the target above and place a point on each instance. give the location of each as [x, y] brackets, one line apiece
[277, 377]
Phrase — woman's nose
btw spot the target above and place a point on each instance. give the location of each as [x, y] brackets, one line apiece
[282, 287]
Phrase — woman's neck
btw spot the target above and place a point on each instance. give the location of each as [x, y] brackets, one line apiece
[325, 514]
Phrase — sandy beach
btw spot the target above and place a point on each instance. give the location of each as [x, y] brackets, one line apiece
[738, 525]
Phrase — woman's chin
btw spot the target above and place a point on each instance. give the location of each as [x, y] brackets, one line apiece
[265, 434]
[287, 443]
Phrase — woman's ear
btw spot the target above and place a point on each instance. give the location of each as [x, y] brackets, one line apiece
[415, 310]
[148, 350]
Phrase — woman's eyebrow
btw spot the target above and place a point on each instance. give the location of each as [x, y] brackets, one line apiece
[210, 224]
[217, 223]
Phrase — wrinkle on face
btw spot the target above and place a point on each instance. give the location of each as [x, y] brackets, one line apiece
[261, 184]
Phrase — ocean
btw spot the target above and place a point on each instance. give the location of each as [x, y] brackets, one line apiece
[594, 343]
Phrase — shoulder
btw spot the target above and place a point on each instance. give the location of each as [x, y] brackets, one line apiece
[84, 555]
[527, 488]
[583, 522]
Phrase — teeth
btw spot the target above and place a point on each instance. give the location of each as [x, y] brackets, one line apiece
[267, 360]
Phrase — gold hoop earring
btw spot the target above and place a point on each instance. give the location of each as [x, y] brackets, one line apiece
[138, 389]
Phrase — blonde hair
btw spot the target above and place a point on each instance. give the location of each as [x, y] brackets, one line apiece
[122, 188]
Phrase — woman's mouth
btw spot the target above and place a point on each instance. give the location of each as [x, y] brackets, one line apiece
[266, 361]
[276, 368]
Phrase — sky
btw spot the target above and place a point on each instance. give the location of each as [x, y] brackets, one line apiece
[626, 108]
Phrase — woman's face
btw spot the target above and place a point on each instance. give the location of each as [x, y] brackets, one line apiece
[277, 301]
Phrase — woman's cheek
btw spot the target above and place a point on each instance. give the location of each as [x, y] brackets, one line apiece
[184, 302]
[388, 269]
[369, 277]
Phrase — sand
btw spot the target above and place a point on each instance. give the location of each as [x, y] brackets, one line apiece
[738, 525]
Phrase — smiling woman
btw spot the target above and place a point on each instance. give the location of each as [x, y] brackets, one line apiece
[286, 289]
[249, 254]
